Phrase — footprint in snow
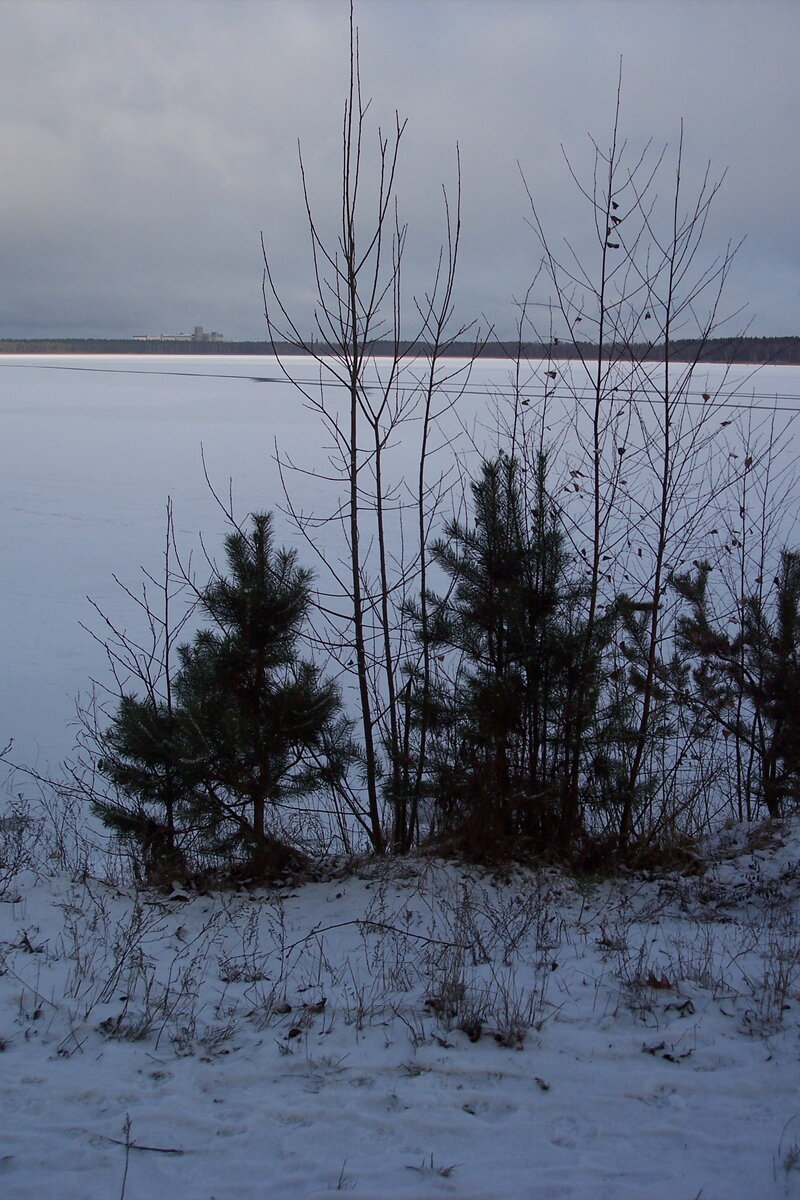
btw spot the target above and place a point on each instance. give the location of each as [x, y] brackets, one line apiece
[567, 1132]
[662, 1095]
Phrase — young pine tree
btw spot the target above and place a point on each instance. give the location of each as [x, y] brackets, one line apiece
[748, 684]
[251, 724]
[145, 759]
[512, 627]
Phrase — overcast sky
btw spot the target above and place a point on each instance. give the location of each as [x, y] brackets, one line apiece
[146, 143]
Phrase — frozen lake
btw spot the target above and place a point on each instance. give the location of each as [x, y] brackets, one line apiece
[91, 449]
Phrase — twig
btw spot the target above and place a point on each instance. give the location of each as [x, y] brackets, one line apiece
[375, 925]
[135, 1146]
[127, 1144]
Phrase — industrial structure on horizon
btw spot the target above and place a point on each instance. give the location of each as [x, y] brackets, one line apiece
[199, 335]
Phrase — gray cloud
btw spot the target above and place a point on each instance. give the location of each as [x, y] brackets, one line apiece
[146, 143]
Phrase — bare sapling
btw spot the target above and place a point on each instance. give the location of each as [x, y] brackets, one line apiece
[374, 386]
[638, 488]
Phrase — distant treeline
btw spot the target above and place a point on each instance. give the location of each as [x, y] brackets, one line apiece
[778, 350]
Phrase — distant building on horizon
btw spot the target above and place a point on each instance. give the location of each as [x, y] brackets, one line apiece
[199, 335]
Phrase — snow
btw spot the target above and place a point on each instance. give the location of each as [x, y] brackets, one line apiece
[639, 1036]
[94, 445]
[92, 448]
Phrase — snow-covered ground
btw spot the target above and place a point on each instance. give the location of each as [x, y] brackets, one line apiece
[405, 1029]
[408, 1029]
